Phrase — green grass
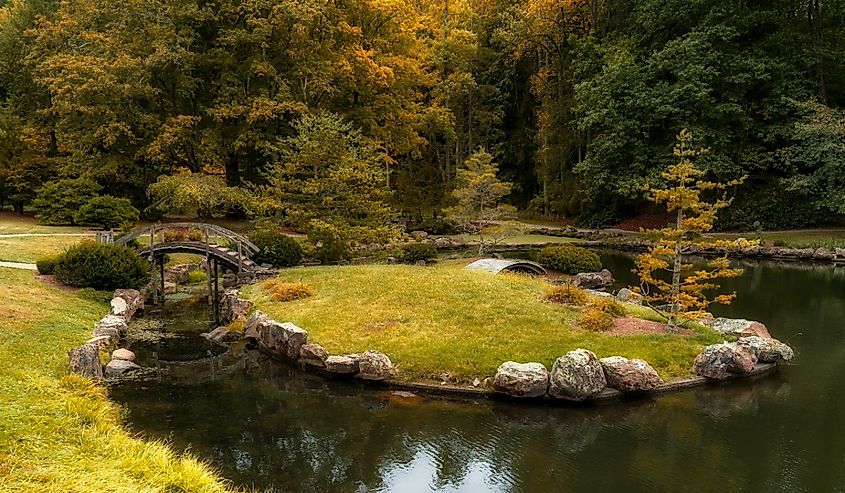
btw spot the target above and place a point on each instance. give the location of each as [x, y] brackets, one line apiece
[59, 432]
[31, 248]
[431, 320]
[815, 238]
[516, 239]
[14, 224]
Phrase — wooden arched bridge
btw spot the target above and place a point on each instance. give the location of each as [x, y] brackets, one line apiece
[230, 249]
[222, 248]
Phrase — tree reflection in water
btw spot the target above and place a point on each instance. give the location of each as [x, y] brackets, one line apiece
[268, 425]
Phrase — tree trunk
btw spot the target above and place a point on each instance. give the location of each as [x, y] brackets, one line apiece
[676, 274]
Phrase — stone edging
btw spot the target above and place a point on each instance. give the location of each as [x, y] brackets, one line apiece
[822, 254]
[85, 360]
[577, 376]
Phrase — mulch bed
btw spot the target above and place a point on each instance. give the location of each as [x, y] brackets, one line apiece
[631, 325]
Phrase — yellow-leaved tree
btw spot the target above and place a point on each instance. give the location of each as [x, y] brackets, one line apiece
[689, 290]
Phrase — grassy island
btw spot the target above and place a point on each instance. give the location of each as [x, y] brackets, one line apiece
[432, 320]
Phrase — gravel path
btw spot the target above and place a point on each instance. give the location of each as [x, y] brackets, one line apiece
[18, 265]
[25, 235]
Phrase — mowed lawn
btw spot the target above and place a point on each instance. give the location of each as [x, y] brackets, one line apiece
[59, 432]
[431, 320]
[31, 248]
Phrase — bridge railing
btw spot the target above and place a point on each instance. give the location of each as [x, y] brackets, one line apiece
[244, 246]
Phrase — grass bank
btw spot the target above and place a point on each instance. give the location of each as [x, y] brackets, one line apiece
[59, 432]
[444, 318]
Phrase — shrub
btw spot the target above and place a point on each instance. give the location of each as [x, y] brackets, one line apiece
[107, 212]
[57, 202]
[184, 234]
[287, 291]
[196, 276]
[94, 295]
[569, 259]
[330, 244]
[609, 306]
[595, 320]
[414, 252]
[276, 248]
[567, 294]
[100, 266]
[434, 226]
[46, 265]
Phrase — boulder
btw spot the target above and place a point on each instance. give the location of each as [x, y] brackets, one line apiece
[418, 235]
[737, 327]
[521, 379]
[233, 307]
[593, 292]
[313, 355]
[347, 364]
[753, 250]
[294, 338]
[85, 361]
[720, 361]
[625, 295]
[805, 252]
[839, 252]
[119, 307]
[375, 365]
[629, 375]
[252, 324]
[169, 287]
[283, 338]
[110, 325]
[823, 254]
[766, 350]
[177, 274]
[123, 354]
[594, 280]
[120, 367]
[576, 376]
[134, 301]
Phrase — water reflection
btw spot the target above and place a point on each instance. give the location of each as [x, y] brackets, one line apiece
[268, 425]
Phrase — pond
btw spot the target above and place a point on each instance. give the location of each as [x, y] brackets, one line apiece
[267, 425]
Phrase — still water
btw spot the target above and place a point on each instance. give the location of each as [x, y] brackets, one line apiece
[266, 425]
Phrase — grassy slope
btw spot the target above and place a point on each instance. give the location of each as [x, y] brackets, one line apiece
[59, 432]
[435, 319]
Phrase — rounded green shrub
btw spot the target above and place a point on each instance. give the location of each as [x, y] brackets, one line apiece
[330, 244]
[106, 212]
[57, 202]
[46, 265]
[100, 266]
[276, 248]
[569, 259]
[414, 252]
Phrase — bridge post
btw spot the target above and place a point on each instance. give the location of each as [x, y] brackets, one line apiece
[161, 270]
[153, 278]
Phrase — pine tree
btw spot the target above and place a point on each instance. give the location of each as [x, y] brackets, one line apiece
[478, 195]
[688, 292]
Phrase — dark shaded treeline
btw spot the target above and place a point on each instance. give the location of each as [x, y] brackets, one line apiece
[579, 100]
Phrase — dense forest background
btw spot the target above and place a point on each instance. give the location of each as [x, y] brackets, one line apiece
[579, 101]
